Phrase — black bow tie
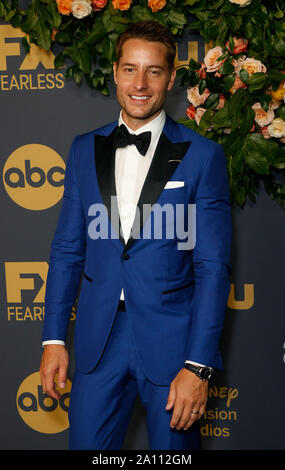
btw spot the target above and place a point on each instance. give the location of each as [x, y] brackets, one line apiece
[124, 138]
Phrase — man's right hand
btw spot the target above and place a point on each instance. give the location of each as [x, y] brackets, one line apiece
[54, 361]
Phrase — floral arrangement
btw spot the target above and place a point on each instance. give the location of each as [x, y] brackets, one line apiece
[232, 101]
[82, 8]
[236, 94]
[236, 97]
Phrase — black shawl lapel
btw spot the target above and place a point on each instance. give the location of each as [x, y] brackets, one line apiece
[105, 170]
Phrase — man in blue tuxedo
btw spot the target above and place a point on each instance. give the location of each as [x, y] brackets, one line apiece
[151, 308]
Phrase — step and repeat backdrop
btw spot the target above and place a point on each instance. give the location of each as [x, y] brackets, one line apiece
[40, 113]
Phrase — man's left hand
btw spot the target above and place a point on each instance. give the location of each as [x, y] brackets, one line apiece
[187, 394]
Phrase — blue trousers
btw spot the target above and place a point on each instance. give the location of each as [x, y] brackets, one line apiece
[101, 401]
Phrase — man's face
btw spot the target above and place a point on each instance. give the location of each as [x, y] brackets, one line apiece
[143, 78]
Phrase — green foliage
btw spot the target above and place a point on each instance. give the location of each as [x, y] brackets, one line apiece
[251, 157]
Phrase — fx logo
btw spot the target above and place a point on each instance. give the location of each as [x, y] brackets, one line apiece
[9, 48]
[26, 281]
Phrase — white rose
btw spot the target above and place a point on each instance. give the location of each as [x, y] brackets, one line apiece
[194, 96]
[81, 8]
[241, 3]
[263, 118]
[277, 128]
[253, 66]
[211, 62]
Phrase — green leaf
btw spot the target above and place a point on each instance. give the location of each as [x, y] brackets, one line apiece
[239, 193]
[229, 81]
[2, 10]
[77, 75]
[190, 2]
[31, 20]
[221, 119]
[212, 101]
[65, 36]
[205, 121]
[280, 47]
[177, 18]
[108, 21]
[244, 75]
[59, 60]
[257, 78]
[247, 121]
[276, 75]
[96, 34]
[56, 17]
[42, 35]
[281, 111]
[26, 45]
[258, 163]
[202, 86]
[108, 49]
[9, 15]
[141, 13]
[264, 100]
[256, 142]
[226, 68]
[194, 65]
[16, 21]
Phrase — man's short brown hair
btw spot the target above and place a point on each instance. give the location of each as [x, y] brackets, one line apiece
[149, 31]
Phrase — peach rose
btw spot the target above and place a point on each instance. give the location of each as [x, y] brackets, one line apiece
[211, 57]
[253, 66]
[240, 45]
[121, 4]
[194, 96]
[98, 4]
[262, 118]
[64, 6]
[199, 114]
[238, 83]
[156, 5]
[191, 111]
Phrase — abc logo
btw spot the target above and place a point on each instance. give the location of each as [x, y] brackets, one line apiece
[33, 177]
[39, 411]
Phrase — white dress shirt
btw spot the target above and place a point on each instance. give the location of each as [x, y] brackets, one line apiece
[131, 169]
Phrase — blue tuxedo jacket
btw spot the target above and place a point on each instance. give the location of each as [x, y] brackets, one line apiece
[176, 298]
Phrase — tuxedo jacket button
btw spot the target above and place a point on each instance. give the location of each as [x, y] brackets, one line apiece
[125, 256]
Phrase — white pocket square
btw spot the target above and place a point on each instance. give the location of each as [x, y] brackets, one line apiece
[173, 184]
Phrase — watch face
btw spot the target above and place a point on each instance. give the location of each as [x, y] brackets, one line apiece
[206, 373]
